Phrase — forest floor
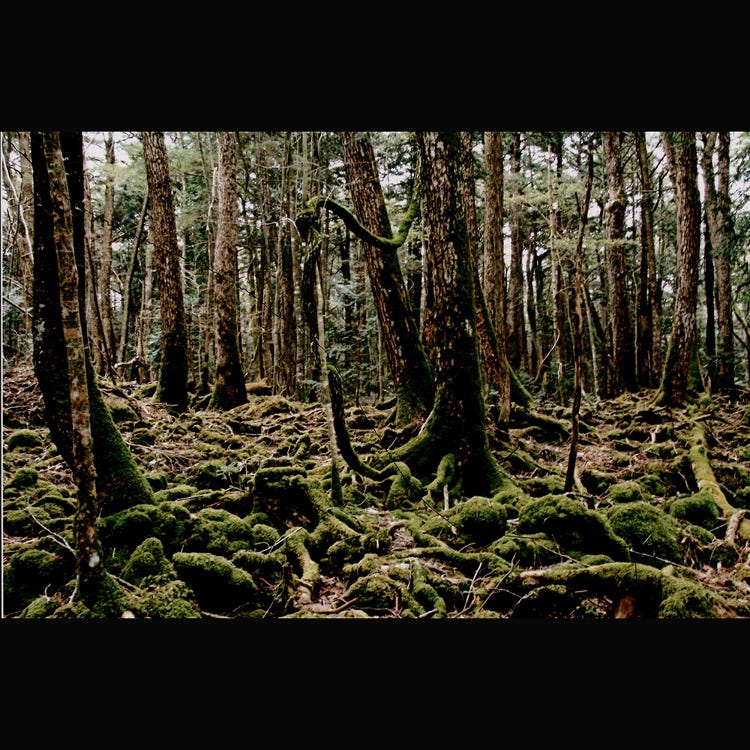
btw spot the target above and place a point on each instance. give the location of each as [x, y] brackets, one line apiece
[244, 523]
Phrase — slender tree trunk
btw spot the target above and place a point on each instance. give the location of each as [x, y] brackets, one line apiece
[649, 314]
[491, 347]
[722, 238]
[104, 291]
[229, 387]
[127, 295]
[677, 380]
[173, 371]
[708, 287]
[623, 350]
[578, 329]
[515, 320]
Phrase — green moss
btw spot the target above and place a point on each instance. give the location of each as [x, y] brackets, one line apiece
[218, 531]
[597, 482]
[479, 519]
[216, 474]
[130, 527]
[26, 476]
[174, 493]
[648, 530]
[532, 551]
[405, 489]
[31, 573]
[699, 509]
[540, 486]
[41, 607]
[571, 525]
[629, 491]
[148, 561]
[218, 584]
[173, 600]
[24, 439]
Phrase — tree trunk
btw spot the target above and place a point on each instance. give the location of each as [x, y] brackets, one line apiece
[173, 370]
[722, 238]
[456, 424]
[408, 362]
[127, 295]
[677, 381]
[515, 326]
[229, 386]
[623, 350]
[570, 474]
[104, 292]
[649, 307]
[89, 564]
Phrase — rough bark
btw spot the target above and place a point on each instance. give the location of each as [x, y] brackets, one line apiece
[229, 385]
[721, 235]
[88, 549]
[173, 369]
[120, 483]
[515, 320]
[407, 360]
[649, 354]
[677, 383]
[104, 292]
[456, 424]
[623, 349]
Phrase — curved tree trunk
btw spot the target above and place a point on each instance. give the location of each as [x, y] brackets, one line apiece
[408, 362]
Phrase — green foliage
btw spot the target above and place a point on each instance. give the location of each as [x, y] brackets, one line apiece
[699, 509]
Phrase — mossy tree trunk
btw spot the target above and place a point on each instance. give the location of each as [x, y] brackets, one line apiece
[409, 366]
[229, 386]
[120, 483]
[678, 375]
[516, 326]
[88, 549]
[173, 370]
[457, 422]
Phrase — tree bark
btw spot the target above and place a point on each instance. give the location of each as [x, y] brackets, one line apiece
[516, 329]
[173, 370]
[407, 360]
[457, 422]
[677, 381]
[120, 483]
[229, 386]
[722, 239]
[623, 349]
[88, 548]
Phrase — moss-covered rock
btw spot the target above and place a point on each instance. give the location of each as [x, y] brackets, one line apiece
[24, 439]
[572, 526]
[699, 509]
[26, 476]
[597, 482]
[651, 534]
[148, 562]
[218, 531]
[629, 491]
[33, 572]
[170, 600]
[219, 585]
[128, 528]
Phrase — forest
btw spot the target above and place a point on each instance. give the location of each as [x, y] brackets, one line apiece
[376, 375]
